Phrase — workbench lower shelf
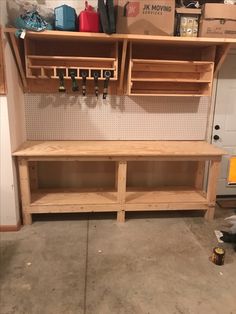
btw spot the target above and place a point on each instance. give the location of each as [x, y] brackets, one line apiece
[120, 197]
[166, 198]
[72, 200]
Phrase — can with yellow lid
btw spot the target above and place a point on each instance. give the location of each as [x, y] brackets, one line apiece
[218, 256]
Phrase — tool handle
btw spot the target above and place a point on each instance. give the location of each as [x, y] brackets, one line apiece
[61, 88]
[107, 76]
[96, 89]
[75, 86]
[84, 77]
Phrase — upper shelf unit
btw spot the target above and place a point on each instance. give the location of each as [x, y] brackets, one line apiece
[138, 64]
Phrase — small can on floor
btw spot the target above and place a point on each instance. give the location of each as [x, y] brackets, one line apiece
[218, 256]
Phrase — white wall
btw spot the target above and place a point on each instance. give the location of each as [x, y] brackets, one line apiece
[12, 134]
[9, 213]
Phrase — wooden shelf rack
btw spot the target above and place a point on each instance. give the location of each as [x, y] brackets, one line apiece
[170, 77]
[122, 197]
[140, 64]
[183, 72]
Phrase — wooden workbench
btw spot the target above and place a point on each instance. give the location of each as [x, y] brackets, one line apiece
[121, 199]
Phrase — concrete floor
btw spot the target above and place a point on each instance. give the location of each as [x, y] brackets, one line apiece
[154, 263]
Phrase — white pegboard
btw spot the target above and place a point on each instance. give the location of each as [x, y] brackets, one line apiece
[65, 117]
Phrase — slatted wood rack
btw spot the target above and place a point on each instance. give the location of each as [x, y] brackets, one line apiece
[121, 198]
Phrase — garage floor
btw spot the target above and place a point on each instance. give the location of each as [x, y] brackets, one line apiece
[154, 263]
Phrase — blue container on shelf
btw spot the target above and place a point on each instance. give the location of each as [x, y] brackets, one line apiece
[65, 18]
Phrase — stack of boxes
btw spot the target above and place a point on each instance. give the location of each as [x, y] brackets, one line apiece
[157, 17]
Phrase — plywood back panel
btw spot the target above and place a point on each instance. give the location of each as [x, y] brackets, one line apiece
[74, 174]
[152, 173]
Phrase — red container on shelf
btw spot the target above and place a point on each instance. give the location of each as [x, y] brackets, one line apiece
[88, 20]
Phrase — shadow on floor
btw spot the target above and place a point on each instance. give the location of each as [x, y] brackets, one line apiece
[112, 215]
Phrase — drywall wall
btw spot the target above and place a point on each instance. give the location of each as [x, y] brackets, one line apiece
[12, 128]
[9, 214]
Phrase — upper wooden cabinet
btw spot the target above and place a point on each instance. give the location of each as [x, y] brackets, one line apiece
[137, 64]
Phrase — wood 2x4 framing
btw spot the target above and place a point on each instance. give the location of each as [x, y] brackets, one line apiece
[121, 199]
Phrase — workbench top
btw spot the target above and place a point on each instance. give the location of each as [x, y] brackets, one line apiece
[117, 149]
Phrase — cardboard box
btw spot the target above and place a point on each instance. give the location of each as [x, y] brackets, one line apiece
[146, 17]
[218, 20]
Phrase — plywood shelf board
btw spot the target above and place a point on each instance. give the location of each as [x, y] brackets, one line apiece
[70, 58]
[165, 94]
[68, 67]
[118, 149]
[201, 41]
[70, 197]
[80, 78]
[169, 194]
[73, 208]
[172, 62]
[159, 67]
[169, 80]
[165, 206]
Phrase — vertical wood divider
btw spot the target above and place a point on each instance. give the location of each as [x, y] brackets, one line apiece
[123, 62]
[25, 189]
[121, 189]
[18, 59]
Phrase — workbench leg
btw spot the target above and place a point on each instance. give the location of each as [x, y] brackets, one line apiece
[27, 218]
[121, 189]
[209, 215]
[25, 189]
[211, 188]
[121, 216]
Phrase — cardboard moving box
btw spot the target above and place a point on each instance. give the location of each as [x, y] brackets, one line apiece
[146, 17]
[218, 20]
